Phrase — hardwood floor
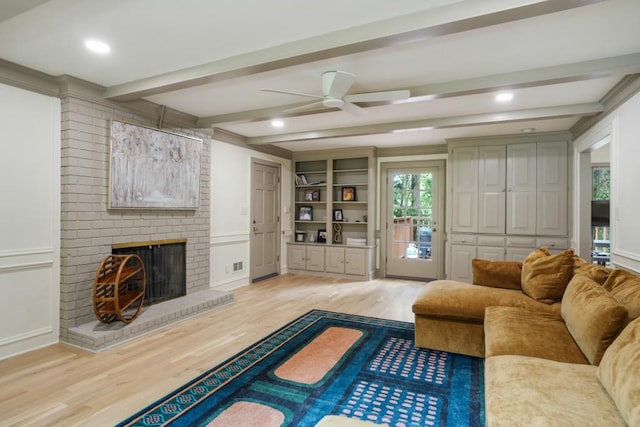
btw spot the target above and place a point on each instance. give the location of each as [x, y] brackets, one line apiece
[63, 386]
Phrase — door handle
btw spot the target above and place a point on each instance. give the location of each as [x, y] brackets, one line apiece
[255, 229]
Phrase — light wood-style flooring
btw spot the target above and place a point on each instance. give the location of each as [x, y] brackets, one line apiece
[63, 386]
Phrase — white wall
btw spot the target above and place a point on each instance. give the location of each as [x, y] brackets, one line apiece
[29, 220]
[623, 128]
[230, 208]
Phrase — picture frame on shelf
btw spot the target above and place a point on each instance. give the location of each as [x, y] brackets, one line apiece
[322, 236]
[305, 213]
[337, 215]
[311, 195]
[348, 194]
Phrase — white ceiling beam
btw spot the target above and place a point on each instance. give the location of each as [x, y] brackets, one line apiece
[579, 110]
[462, 16]
[565, 73]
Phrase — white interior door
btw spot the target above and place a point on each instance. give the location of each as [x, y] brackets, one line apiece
[412, 222]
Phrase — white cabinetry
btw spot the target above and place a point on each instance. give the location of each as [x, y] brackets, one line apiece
[351, 261]
[521, 189]
[306, 257]
[508, 196]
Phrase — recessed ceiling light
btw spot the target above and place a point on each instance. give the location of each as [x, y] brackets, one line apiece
[97, 46]
[527, 130]
[277, 123]
[504, 97]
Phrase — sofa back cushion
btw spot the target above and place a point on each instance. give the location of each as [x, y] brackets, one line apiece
[619, 373]
[625, 287]
[545, 276]
[593, 317]
[497, 274]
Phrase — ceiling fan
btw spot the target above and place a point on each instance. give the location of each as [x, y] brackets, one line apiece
[335, 85]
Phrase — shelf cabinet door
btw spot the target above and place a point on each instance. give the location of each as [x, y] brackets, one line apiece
[315, 258]
[521, 189]
[334, 260]
[297, 257]
[492, 189]
[355, 261]
[465, 189]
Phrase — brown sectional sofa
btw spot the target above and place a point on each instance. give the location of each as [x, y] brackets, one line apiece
[561, 338]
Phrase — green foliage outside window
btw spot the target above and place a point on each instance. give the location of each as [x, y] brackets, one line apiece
[601, 183]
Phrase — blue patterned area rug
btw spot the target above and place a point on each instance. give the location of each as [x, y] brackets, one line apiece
[327, 363]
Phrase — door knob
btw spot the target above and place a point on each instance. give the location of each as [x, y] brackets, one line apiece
[255, 229]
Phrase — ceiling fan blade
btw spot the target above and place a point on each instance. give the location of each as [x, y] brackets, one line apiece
[335, 84]
[353, 109]
[390, 95]
[303, 107]
[291, 93]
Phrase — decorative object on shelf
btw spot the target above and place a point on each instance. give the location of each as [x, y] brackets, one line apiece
[153, 169]
[312, 238]
[305, 213]
[322, 236]
[348, 194]
[311, 195]
[356, 241]
[337, 233]
[337, 215]
[300, 234]
[301, 180]
[365, 218]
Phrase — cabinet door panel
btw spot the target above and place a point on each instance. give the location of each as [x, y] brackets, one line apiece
[521, 189]
[517, 254]
[315, 258]
[461, 257]
[491, 192]
[335, 260]
[491, 253]
[552, 188]
[355, 261]
[297, 257]
[465, 189]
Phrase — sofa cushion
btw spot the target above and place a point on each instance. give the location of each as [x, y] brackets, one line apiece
[497, 274]
[625, 287]
[595, 272]
[449, 299]
[544, 276]
[517, 331]
[593, 317]
[619, 372]
[528, 391]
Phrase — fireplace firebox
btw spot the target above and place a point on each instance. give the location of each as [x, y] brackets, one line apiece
[165, 265]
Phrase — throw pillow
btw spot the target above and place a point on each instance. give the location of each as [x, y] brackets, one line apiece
[497, 274]
[545, 276]
[625, 287]
[595, 272]
[619, 373]
[593, 316]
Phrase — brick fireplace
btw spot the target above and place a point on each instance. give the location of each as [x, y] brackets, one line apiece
[89, 229]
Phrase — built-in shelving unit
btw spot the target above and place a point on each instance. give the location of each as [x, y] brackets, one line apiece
[332, 195]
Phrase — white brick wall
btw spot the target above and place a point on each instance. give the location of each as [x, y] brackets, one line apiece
[88, 229]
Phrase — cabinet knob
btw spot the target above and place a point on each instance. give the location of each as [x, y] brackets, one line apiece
[434, 230]
[552, 244]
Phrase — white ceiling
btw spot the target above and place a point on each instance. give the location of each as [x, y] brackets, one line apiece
[210, 59]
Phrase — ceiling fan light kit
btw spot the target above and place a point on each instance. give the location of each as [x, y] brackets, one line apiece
[335, 85]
